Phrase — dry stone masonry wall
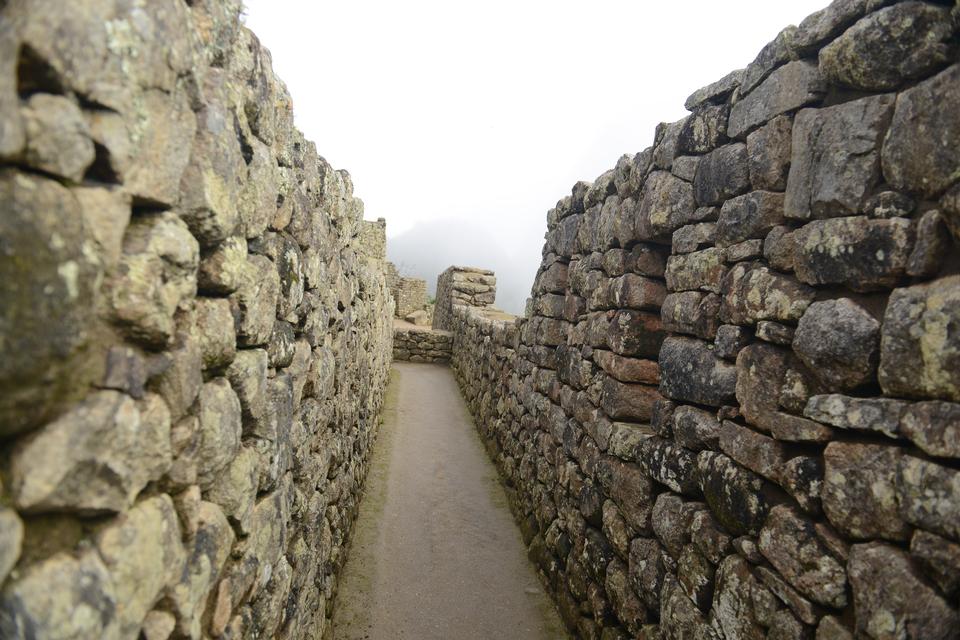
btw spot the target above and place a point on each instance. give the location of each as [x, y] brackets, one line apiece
[194, 331]
[734, 408]
[421, 344]
[411, 296]
[464, 286]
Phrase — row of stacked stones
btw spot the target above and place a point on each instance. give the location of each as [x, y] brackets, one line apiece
[421, 345]
[194, 339]
[462, 286]
[735, 409]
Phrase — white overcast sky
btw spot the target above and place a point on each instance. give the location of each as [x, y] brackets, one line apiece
[486, 113]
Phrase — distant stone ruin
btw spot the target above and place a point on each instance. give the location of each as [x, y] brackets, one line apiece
[462, 286]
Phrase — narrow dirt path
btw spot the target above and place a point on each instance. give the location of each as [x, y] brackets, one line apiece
[436, 554]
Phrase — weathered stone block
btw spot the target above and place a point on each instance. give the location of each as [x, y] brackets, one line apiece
[919, 342]
[749, 216]
[830, 628]
[839, 341]
[157, 276]
[106, 214]
[629, 488]
[631, 291]
[44, 600]
[753, 292]
[779, 248]
[889, 595]
[794, 85]
[689, 371]
[647, 570]
[143, 554]
[760, 372]
[768, 154]
[859, 491]
[921, 154]
[181, 375]
[709, 537]
[695, 574]
[635, 333]
[692, 312]
[715, 91]
[933, 426]
[255, 301]
[929, 496]
[738, 498]
[789, 542]
[282, 346]
[665, 205]
[802, 478]
[692, 237]
[47, 300]
[222, 269]
[627, 369]
[671, 520]
[215, 334]
[742, 606]
[235, 487]
[679, 615]
[257, 204]
[669, 465]
[774, 332]
[626, 605]
[220, 427]
[699, 270]
[207, 552]
[721, 174]
[860, 253]
[759, 453]
[12, 134]
[666, 148]
[248, 378]
[746, 250]
[553, 279]
[695, 429]
[627, 401]
[210, 185]
[836, 158]
[704, 129]
[881, 415]
[95, 458]
[890, 47]
[930, 248]
[730, 340]
[685, 167]
[58, 139]
[822, 26]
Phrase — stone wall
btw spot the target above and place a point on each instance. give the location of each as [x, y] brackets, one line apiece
[194, 331]
[734, 409]
[467, 286]
[416, 344]
[411, 296]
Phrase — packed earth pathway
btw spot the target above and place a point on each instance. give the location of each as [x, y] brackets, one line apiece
[436, 553]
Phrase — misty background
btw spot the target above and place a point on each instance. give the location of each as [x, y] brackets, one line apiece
[463, 123]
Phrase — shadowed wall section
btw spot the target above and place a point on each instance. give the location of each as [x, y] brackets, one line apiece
[732, 411]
